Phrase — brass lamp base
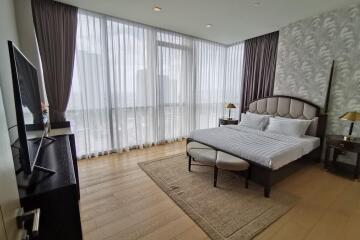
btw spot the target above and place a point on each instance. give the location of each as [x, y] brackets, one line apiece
[347, 138]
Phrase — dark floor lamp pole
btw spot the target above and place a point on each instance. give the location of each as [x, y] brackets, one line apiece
[351, 128]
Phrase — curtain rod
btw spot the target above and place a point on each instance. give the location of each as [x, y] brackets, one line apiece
[235, 43]
[156, 28]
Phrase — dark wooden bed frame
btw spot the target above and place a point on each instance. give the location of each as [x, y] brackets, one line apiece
[266, 176]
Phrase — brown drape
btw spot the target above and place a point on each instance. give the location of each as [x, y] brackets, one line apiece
[259, 67]
[55, 26]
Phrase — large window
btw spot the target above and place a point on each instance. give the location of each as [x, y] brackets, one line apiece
[174, 58]
[134, 85]
[210, 82]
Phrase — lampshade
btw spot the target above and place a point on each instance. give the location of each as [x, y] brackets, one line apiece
[351, 116]
[230, 105]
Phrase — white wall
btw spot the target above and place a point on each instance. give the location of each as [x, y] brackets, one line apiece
[27, 37]
[16, 24]
[8, 31]
[9, 198]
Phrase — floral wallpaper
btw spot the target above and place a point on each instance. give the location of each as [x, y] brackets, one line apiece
[305, 53]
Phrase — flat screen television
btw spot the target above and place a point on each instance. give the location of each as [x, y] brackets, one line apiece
[28, 108]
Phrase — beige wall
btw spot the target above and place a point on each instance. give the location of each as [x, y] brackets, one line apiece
[2, 226]
[9, 196]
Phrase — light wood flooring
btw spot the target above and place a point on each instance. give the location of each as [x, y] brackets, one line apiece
[119, 201]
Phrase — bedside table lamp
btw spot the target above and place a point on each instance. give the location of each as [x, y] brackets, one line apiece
[352, 117]
[229, 106]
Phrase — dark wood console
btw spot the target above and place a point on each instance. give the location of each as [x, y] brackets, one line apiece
[57, 195]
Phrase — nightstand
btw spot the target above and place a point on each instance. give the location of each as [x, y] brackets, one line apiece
[225, 121]
[338, 143]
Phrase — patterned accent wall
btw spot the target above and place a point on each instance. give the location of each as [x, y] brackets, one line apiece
[305, 52]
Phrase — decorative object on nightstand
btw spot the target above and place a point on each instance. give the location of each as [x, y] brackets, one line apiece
[352, 117]
[339, 144]
[224, 121]
[229, 106]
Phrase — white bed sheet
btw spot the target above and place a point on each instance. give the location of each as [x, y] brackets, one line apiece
[310, 143]
[267, 149]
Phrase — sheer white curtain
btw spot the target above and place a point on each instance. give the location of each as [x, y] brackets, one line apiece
[210, 81]
[134, 85]
[233, 77]
[131, 83]
[89, 108]
[175, 80]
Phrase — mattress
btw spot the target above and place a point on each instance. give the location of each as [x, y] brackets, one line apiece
[267, 149]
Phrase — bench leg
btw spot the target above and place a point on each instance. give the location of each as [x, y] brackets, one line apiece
[215, 175]
[247, 178]
[189, 166]
[267, 190]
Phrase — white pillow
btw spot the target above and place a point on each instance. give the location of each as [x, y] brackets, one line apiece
[310, 130]
[288, 127]
[261, 115]
[254, 121]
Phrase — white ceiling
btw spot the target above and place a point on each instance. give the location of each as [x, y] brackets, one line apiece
[232, 20]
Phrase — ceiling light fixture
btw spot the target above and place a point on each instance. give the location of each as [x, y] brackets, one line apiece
[157, 9]
[257, 3]
[208, 25]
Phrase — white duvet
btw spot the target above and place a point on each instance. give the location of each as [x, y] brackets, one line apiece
[267, 149]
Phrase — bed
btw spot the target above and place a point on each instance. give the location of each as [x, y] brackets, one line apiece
[272, 157]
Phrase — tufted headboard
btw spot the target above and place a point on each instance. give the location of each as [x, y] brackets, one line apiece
[289, 107]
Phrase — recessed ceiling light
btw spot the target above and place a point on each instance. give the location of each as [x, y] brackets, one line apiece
[208, 25]
[257, 3]
[157, 9]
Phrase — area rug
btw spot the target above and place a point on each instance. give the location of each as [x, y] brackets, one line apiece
[228, 211]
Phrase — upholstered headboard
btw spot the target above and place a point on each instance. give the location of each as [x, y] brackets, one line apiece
[289, 107]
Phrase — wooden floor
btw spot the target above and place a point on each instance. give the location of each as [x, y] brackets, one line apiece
[119, 201]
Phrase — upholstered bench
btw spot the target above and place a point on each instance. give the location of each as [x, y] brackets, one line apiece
[226, 161]
[204, 155]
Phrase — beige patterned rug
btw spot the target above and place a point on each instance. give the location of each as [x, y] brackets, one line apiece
[228, 211]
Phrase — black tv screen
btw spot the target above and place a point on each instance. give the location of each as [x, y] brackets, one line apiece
[27, 103]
